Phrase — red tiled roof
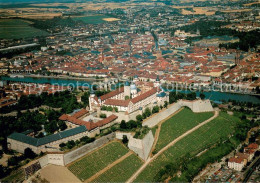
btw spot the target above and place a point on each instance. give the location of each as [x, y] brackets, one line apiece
[144, 95]
[252, 146]
[87, 124]
[63, 117]
[106, 120]
[123, 103]
[112, 93]
[236, 160]
[80, 113]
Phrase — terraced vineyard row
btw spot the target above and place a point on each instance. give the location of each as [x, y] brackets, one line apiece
[122, 171]
[96, 161]
[179, 124]
[194, 143]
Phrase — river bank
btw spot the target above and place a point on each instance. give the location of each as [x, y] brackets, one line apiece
[216, 96]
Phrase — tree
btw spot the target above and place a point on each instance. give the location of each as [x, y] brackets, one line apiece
[13, 161]
[103, 108]
[123, 125]
[125, 139]
[127, 97]
[85, 98]
[116, 109]
[144, 115]
[28, 153]
[62, 125]
[62, 145]
[109, 108]
[103, 115]
[139, 118]
[131, 124]
[51, 127]
[147, 112]
[2, 171]
[165, 104]
[191, 96]
[155, 109]
[202, 96]
[70, 144]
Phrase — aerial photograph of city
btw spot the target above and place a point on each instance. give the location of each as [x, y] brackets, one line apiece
[118, 91]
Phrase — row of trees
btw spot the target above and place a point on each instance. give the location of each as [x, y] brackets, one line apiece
[82, 141]
[65, 100]
[109, 108]
[174, 97]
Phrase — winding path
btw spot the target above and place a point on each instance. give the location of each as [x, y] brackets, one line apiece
[134, 176]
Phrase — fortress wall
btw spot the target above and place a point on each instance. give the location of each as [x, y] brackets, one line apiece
[56, 159]
[195, 106]
[44, 161]
[142, 147]
[119, 135]
[78, 153]
[155, 119]
[147, 144]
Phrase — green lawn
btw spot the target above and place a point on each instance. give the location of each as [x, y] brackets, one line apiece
[96, 161]
[95, 19]
[194, 143]
[16, 28]
[122, 171]
[179, 124]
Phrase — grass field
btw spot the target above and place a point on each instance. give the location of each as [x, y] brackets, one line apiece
[194, 143]
[96, 161]
[122, 171]
[179, 124]
[15, 29]
[95, 19]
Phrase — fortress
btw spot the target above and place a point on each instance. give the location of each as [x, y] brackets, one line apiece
[130, 100]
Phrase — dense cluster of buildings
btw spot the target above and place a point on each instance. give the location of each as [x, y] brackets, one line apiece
[240, 160]
[143, 43]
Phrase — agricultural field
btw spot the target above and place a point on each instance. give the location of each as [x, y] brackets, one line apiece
[122, 171]
[15, 29]
[201, 139]
[179, 124]
[95, 19]
[97, 160]
[198, 11]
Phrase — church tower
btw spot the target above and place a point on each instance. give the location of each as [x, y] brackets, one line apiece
[157, 82]
[127, 90]
[91, 99]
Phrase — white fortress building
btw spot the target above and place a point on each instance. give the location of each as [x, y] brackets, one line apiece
[130, 98]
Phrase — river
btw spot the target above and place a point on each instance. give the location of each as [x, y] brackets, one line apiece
[212, 95]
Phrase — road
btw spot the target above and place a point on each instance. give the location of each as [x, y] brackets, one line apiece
[149, 160]
[251, 168]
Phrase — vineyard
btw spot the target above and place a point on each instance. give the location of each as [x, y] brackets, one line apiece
[122, 171]
[199, 140]
[179, 124]
[96, 161]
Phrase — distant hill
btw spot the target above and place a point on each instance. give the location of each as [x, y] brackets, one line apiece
[36, 1]
[82, 1]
